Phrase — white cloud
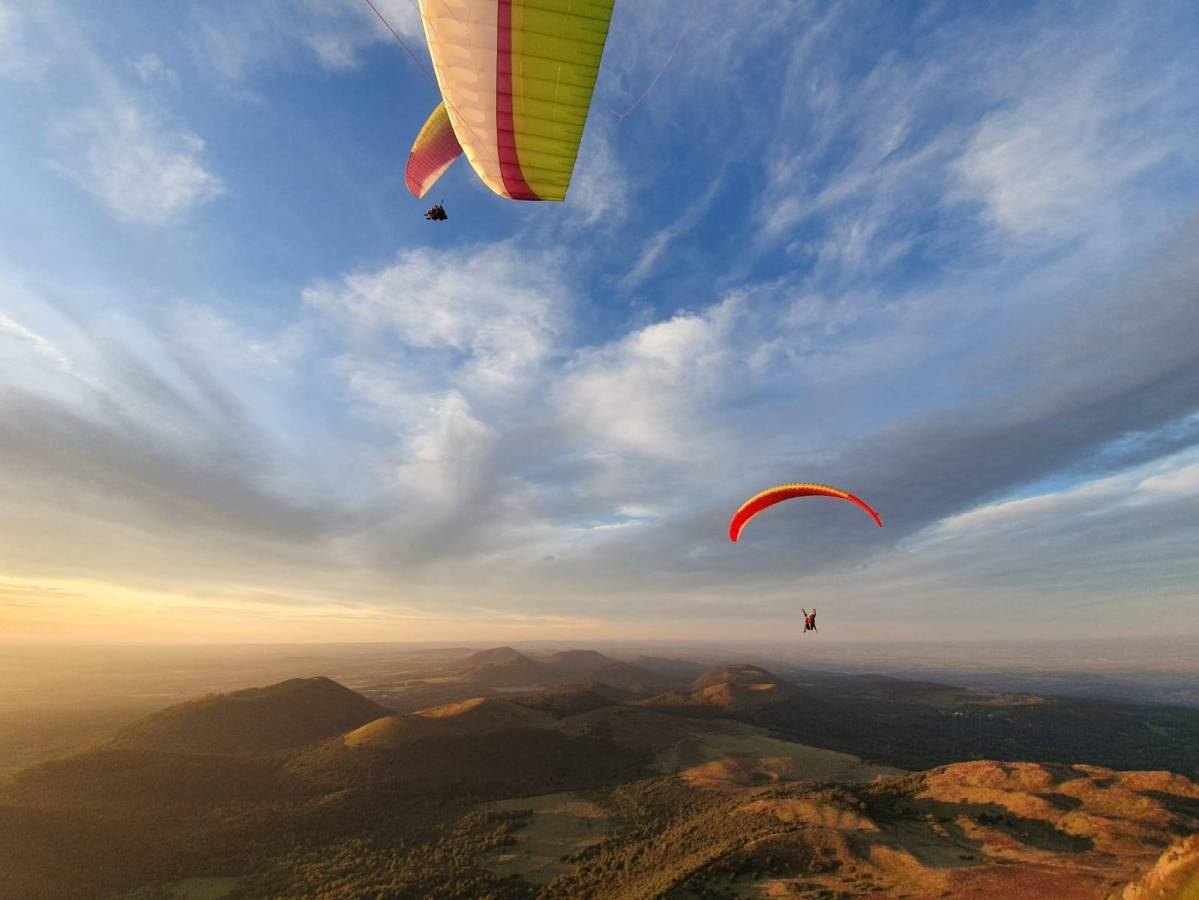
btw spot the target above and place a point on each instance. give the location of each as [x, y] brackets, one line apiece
[1053, 163]
[1180, 482]
[144, 170]
[18, 57]
[238, 37]
[8, 24]
[151, 70]
[446, 459]
[497, 311]
[652, 392]
[445, 352]
[43, 348]
[111, 139]
[1166, 481]
[1044, 131]
[216, 338]
[599, 188]
[870, 156]
[656, 245]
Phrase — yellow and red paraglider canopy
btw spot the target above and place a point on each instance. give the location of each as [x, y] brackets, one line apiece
[779, 493]
[516, 79]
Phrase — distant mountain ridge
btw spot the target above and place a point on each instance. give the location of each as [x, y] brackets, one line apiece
[492, 657]
[505, 667]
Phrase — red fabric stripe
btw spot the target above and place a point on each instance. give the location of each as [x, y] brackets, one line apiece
[510, 171]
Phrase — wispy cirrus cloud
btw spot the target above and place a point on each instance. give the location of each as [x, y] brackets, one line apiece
[237, 39]
[42, 347]
[111, 137]
[144, 170]
[151, 71]
[21, 55]
[1060, 161]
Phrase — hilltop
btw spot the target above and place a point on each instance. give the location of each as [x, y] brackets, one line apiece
[285, 715]
[739, 689]
[737, 675]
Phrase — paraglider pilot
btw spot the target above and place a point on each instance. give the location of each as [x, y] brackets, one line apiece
[809, 620]
[436, 213]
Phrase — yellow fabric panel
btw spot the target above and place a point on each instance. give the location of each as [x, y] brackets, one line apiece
[557, 47]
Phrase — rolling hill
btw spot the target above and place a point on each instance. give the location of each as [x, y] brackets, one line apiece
[282, 716]
[738, 675]
[574, 699]
[732, 690]
[485, 747]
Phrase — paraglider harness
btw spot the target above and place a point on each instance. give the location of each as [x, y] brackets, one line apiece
[436, 213]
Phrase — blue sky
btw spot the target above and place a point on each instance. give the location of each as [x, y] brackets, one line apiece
[937, 254]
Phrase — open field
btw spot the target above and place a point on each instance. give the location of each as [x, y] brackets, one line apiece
[754, 756]
[558, 826]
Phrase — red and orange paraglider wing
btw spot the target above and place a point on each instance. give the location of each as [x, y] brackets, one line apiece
[778, 494]
[436, 147]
